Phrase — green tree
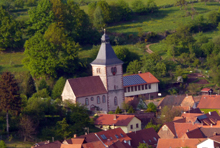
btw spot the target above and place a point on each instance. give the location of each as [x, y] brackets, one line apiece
[63, 129]
[31, 3]
[118, 110]
[2, 144]
[152, 6]
[151, 107]
[168, 113]
[139, 7]
[30, 87]
[58, 88]
[98, 20]
[11, 31]
[181, 3]
[131, 110]
[43, 85]
[150, 124]
[7, 4]
[19, 3]
[9, 95]
[125, 105]
[213, 17]
[124, 10]
[133, 67]
[106, 10]
[142, 145]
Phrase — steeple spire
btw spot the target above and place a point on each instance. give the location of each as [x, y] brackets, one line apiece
[106, 55]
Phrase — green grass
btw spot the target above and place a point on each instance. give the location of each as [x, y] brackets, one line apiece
[210, 34]
[209, 110]
[18, 144]
[12, 62]
[159, 47]
[165, 19]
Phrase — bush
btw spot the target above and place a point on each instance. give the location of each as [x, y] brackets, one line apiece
[138, 7]
[110, 112]
[58, 88]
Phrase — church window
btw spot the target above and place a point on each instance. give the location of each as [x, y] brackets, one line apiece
[149, 86]
[98, 100]
[124, 89]
[128, 89]
[103, 99]
[139, 87]
[142, 87]
[131, 88]
[135, 88]
[145, 86]
[115, 101]
[92, 98]
[87, 101]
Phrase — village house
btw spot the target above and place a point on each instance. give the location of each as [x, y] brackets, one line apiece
[127, 123]
[209, 102]
[211, 142]
[206, 91]
[106, 89]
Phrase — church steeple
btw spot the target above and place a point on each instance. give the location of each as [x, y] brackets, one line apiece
[106, 55]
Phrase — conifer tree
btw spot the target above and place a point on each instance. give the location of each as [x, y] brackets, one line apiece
[131, 110]
[118, 110]
[30, 87]
[9, 95]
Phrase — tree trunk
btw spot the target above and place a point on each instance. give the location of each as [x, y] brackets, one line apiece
[7, 124]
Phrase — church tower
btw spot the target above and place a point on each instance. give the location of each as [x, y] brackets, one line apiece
[109, 68]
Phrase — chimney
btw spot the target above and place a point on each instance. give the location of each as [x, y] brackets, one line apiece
[211, 124]
[187, 130]
[74, 136]
[139, 72]
[115, 117]
[85, 133]
[108, 141]
[210, 113]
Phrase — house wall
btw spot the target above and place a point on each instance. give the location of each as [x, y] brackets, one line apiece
[67, 93]
[101, 72]
[206, 144]
[101, 105]
[154, 88]
[133, 122]
[165, 132]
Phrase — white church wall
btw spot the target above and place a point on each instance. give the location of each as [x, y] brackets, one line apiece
[100, 70]
[67, 93]
[154, 88]
[119, 94]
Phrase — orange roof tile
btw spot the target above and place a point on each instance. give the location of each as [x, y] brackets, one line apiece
[209, 102]
[117, 120]
[174, 143]
[196, 133]
[216, 138]
[182, 128]
[148, 77]
[71, 146]
[205, 89]
[95, 144]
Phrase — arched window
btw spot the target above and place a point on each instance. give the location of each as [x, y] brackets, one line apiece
[92, 98]
[115, 101]
[87, 101]
[103, 99]
[98, 100]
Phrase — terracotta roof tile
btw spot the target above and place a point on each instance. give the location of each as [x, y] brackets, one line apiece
[174, 143]
[149, 78]
[71, 146]
[205, 89]
[87, 86]
[216, 138]
[109, 119]
[120, 144]
[182, 128]
[196, 133]
[96, 144]
[209, 102]
[209, 131]
[148, 136]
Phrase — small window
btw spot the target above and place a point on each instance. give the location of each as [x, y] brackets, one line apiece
[142, 87]
[87, 101]
[145, 86]
[131, 126]
[121, 135]
[137, 125]
[92, 98]
[144, 141]
[155, 139]
[103, 99]
[139, 87]
[149, 86]
[115, 101]
[128, 89]
[131, 88]
[98, 100]
[135, 88]
[125, 89]
[116, 136]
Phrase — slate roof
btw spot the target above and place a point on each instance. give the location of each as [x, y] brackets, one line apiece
[87, 86]
[148, 136]
[108, 119]
[174, 143]
[106, 55]
[171, 100]
[209, 102]
[139, 79]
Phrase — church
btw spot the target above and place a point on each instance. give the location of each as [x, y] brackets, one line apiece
[105, 90]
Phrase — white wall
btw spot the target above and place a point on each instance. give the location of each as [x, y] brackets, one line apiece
[206, 144]
[67, 93]
[154, 88]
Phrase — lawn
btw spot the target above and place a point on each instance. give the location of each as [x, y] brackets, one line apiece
[18, 144]
[12, 62]
[166, 19]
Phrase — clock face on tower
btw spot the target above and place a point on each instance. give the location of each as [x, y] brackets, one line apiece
[114, 70]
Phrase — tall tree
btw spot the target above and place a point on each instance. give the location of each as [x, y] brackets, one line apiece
[30, 87]
[58, 88]
[10, 30]
[98, 20]
[9, 95]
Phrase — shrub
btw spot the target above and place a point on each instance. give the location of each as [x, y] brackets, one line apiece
[58, 88]
[138, 7]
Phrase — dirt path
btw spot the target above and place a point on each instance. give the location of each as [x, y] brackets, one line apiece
[148, 48]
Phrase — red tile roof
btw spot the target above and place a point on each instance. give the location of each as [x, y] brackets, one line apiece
[148, 136]
[119, 144]
[196, 133]
[95, 144]
[182, 128]
[205, 89]
[209, 102]
[174, 143]
[216, 138]
[117, 120]
[87, 86]
[75, 140]
[149, 78]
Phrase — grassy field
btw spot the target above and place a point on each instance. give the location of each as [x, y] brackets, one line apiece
[12, 62]
[165, 20]
[18, 144]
